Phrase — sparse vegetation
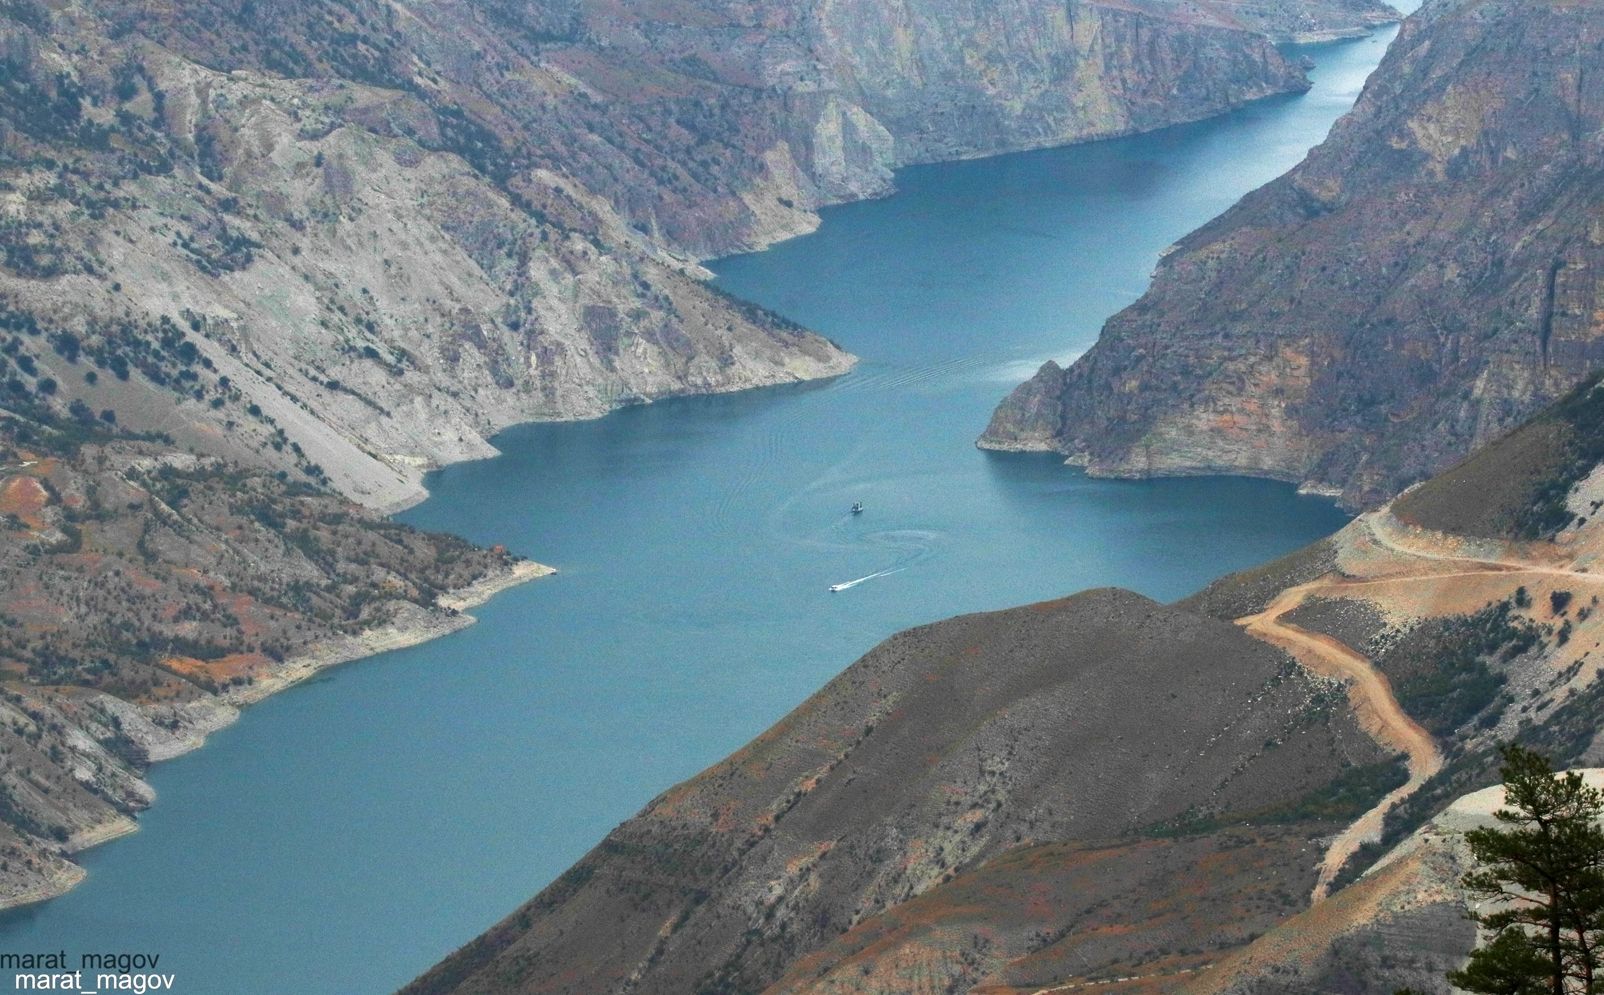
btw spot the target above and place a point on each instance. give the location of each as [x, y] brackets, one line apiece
[1564, 736]
[1519, 486]
[99, 588]
[1353, 792]
[1442, 673]
[1580, 416]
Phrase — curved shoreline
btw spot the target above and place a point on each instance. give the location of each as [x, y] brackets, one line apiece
[449, 616]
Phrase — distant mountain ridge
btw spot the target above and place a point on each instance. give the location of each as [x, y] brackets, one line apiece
[1426, 279]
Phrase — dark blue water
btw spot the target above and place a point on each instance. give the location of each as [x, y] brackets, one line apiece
[345, 835]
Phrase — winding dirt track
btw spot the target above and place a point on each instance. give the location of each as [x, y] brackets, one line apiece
[1369, 691]
[1373, 702]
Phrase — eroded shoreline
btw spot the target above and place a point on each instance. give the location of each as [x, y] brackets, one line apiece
[412, 626]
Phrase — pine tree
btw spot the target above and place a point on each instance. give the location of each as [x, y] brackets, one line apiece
[1542, 879]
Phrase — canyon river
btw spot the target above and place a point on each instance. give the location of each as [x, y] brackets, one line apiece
[344, 835]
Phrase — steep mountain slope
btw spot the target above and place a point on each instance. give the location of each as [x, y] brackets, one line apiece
[720, 124]
[146, 593]
[1422, 282]
[385, 231]
[324, 275]
[1042, 737]
[1006, 803]
[1449, 643]
[1404, 584]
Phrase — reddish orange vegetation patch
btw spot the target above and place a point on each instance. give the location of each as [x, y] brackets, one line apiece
[24, 497]
[724, 820]
[170, 688]
[143, 581]
[29, 605]
[918, 851]
[1117, 929]
[801, 861]
[218, 671]
[1045, 607]
[242, 606]
[1040, 903]
[245, 608]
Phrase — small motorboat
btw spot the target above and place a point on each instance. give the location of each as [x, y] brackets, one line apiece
[857, 507]
[838, 587]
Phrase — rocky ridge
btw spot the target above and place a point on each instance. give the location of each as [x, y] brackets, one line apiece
[1425, 280]
[985, 756]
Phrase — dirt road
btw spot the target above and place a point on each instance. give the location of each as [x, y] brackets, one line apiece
[1373, 703]
[1369, 691]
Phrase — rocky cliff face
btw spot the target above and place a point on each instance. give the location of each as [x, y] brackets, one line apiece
[325, 275]
[952, 79]
[376, 234]
[1424, 280]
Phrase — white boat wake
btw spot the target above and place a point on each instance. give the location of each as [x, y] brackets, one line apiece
[844, 585]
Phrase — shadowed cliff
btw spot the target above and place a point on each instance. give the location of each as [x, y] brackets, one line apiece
[1421, 283]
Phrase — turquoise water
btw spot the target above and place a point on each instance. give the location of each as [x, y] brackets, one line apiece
[346, 834]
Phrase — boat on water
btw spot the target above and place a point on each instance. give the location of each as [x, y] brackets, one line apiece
[857, 507]
[838, 587]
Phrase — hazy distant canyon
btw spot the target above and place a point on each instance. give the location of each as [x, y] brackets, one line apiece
[1426, 279]
[391, 230]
